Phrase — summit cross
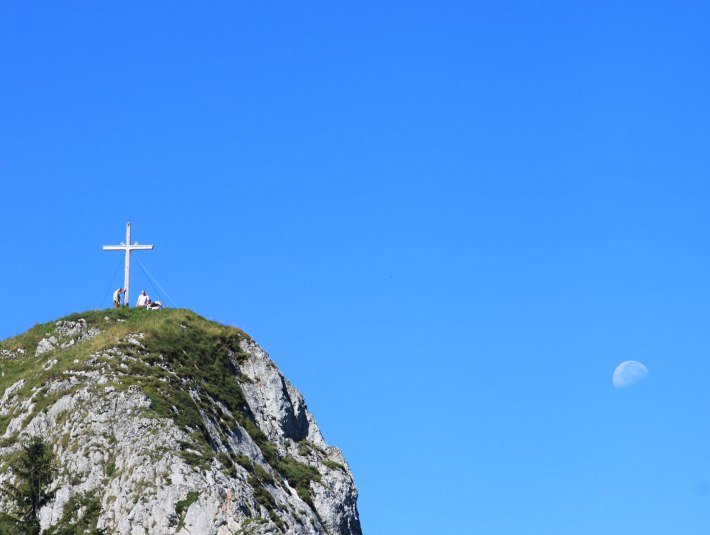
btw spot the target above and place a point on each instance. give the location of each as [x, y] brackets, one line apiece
[129, 248]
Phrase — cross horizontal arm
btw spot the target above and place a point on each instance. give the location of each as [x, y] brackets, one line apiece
[128, 247]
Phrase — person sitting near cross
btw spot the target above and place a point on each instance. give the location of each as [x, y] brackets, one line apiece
[154, 305]
[117, 298]
[143, 300]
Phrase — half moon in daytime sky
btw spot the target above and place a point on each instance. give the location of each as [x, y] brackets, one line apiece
[629, 373]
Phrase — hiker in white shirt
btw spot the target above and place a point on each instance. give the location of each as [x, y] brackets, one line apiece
[142, 300]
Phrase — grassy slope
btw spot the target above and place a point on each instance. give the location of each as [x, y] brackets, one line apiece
[194, 349]
[183, 352]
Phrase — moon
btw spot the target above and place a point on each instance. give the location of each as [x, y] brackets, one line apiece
[629, 373]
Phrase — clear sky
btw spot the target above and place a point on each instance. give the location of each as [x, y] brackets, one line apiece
[448, 222]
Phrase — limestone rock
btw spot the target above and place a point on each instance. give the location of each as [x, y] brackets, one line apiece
[173, 425]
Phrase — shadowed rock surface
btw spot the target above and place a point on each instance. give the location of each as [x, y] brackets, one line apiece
[172, 424]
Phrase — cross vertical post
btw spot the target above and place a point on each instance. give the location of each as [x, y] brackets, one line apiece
[128, 248]
[127, 267]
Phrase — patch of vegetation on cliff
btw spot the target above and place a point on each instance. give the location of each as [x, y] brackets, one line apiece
[205, 353]
[80, 515]
[182, 506]
[333, 465]
[299, 476]
[249, 523]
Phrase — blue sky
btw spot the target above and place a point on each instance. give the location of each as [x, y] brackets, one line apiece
[447, 222]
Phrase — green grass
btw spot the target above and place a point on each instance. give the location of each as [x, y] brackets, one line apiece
[299, 476]
[333, 465]
[250, 524]
[80, 515]
[182, 506]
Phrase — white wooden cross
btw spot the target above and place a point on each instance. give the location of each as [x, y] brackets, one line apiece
[128, 248]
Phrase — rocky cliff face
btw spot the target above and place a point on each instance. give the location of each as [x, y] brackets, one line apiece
[165, 423]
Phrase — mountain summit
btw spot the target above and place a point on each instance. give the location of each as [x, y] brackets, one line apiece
[163, 422]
